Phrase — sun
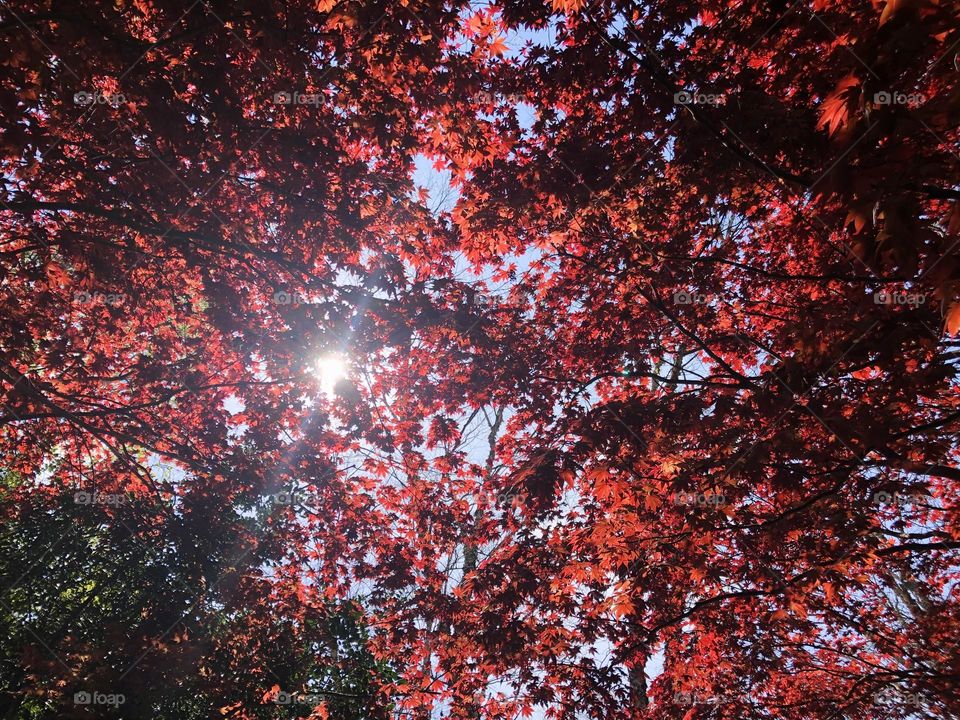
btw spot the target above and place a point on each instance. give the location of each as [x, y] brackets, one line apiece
[329, 370]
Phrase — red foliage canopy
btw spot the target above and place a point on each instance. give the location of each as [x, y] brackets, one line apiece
[654, 417]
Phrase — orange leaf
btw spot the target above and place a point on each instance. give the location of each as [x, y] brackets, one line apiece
[953, 318]
[890, 9]
[568, 6]
[57, 276]
[475, 24]
[497, 47]
[836, 109]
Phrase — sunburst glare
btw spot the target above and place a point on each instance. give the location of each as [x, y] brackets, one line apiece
[329, 370]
